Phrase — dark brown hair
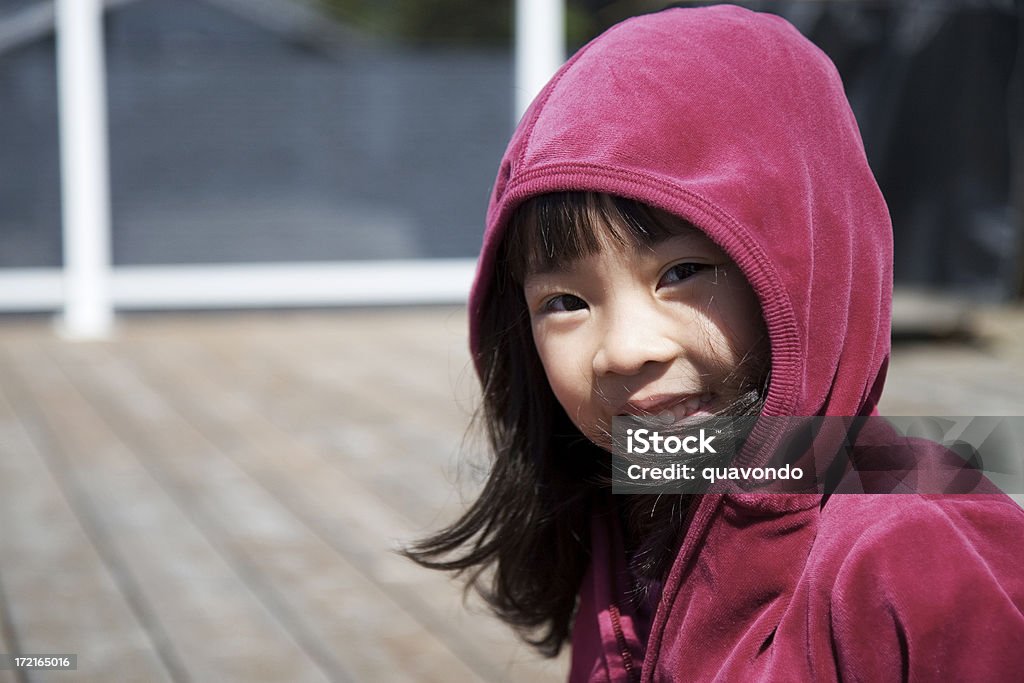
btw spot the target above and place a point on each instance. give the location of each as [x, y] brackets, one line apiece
[525, 541]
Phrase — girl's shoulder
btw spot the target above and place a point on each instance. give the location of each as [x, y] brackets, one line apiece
[933, 533]
[878, 519]
[943, 575]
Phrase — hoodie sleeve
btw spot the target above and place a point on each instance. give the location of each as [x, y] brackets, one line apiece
[934, 592]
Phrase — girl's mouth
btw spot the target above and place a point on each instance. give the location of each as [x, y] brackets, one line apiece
[673, 410]
[691, 407]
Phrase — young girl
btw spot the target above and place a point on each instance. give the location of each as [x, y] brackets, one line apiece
[685, 224]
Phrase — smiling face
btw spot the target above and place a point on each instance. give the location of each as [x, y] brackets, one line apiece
[664, 326]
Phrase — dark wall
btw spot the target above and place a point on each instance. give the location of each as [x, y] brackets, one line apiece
[938, 91]
[233, 143]
[236, 143]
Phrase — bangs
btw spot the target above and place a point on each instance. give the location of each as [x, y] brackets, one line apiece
[551, 231]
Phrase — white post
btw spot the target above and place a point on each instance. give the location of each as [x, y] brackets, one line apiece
[540, 47]
[85, 192]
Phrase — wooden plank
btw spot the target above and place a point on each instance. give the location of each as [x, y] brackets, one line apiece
[323, 600]
[212, 621]
[8, 637]
[344, 509]
[375, 439]
[308, 379]
[352, 391]
[321, 406]
[8, 644]
[357, 405]
[269, 381]
[60, 595]
[958, 381]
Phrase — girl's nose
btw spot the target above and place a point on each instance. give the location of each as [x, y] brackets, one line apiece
[631, 342]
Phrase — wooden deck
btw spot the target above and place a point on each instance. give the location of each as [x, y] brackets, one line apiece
[218, 497]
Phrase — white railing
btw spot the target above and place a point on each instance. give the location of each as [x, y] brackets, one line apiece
[539, 47]
[85, 193]
[350, 283]
[88, 288]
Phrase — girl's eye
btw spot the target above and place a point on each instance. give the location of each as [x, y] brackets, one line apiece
[680, 272]
[564, 303]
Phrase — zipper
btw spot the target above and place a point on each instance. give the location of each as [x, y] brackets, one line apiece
[620, 638]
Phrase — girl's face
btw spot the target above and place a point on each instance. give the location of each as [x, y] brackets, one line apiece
[670, 329]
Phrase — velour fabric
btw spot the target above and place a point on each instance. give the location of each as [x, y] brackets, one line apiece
[731, 120]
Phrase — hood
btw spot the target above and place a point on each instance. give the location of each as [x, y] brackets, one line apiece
[733, 121]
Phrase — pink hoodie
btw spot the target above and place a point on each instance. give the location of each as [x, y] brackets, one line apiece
[733, 121]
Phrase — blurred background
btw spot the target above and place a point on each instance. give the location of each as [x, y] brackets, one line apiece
[219, 420]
